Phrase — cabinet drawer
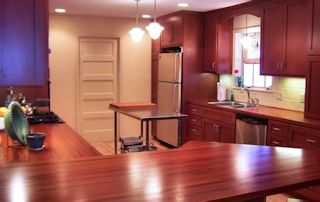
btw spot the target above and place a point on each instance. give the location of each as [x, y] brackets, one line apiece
[195, 120]
[194, 133]
[304, 137]
[275, 140]
[220, 115]
[194, 110]
[278, 128]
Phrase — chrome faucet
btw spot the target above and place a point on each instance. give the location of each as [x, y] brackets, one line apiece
[251, 101]
[246, 88]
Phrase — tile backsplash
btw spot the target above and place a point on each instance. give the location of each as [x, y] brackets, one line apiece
[286, 92]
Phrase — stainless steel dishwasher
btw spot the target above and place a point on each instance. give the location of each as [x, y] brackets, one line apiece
[251, 130]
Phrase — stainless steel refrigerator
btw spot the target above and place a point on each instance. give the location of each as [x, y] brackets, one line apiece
[169, 96]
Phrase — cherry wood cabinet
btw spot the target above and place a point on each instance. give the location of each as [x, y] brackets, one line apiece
[218, 131]
[312, 100]
[210, 45]
[303, 137]
[277, 133]
[218, 45]
[172, 33]
[24, 42]
[210, 124]
[314, 45]
[284, 40]
[291, 135]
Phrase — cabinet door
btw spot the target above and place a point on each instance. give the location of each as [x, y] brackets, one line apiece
[211, 131]
[224, 47]
[315, 34]
[296, 45]
[227, 133]
[210, 44]
[23, 42]
[272, 39]
[285, 31]
[304, 137]
[172, 33]
[312, 101]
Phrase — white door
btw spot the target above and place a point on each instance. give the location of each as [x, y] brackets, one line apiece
[98, 87]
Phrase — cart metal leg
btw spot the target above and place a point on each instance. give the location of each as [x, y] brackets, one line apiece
[115, 133]
[148, 147]
[141, 128]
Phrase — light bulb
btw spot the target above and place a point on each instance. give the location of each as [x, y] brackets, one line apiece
[246, 41]
[136, 34]
[154, 30]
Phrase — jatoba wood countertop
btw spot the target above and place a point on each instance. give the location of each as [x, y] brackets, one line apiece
[289, 116]
[61, 143]
[195, 172]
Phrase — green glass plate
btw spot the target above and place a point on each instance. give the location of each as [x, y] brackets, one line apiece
[16, 124]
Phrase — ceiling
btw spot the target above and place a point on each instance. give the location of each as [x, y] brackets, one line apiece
[126, 8]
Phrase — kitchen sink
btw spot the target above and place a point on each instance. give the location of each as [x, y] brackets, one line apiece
[230, 104]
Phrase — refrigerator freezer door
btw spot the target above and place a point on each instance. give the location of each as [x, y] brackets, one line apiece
[169, 100]
[170, 67]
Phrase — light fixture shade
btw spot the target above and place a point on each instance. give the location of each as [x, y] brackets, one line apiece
[246, 41]
[136, 34]
[154, 30]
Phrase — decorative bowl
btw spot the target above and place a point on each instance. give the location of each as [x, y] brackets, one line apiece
[36, 141]
[16, 124]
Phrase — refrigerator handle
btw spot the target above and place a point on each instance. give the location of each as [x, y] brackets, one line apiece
[176, 67]
[175, 100]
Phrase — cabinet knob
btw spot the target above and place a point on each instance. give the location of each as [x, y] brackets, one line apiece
[194, 130]
[194, 120]
[194, 110]
[276, 143]
[311, 141]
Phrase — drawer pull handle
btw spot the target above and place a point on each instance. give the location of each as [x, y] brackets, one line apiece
[311, 141]
[276, 143]
[276, 129]
[194, 110]
[194, 120]
[194, 130]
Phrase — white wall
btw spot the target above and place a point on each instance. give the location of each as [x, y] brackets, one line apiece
[134, 70]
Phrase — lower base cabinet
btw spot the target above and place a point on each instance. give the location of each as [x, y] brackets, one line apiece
[207, 124]
[218, 131]
[290, 135]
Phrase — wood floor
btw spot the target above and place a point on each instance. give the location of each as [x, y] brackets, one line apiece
[107, 148]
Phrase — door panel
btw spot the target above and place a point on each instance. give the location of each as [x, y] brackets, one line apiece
[98, 84]
[169, 95]
[170, 67]
[272, 39]
[297, 32]
[224, 47]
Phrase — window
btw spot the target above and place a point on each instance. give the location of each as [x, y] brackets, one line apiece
[247, 59]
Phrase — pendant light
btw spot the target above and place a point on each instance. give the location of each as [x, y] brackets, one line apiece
[136, 33]
[246, 40]
[154, 28]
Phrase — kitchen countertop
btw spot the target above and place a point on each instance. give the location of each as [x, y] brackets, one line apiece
[195, 172]
[294, 117]
[61, 143]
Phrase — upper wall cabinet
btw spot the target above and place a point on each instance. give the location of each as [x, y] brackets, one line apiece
[285, 31]
[314, 46]
[24, 42]
[172, 33]
[218, 45]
